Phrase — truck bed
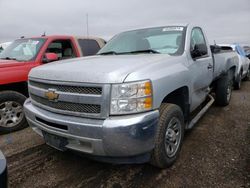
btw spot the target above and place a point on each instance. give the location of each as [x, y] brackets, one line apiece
[223, 58]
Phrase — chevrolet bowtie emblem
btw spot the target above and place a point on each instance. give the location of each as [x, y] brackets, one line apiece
[51, 95]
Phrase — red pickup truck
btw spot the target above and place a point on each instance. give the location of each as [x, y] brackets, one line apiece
[20, 57]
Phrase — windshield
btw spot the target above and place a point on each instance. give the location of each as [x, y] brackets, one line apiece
[165, 40]
[22, 49]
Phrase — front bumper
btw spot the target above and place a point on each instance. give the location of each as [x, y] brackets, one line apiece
[117, 136]
[3, 171]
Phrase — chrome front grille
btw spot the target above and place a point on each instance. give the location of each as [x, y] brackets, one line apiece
[69, 89]
[68, 106]
[78, 99]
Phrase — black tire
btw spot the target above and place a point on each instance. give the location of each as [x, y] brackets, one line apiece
[237, 84]
[223, 90]
[14, 109]
[247, 77]
[159, 156]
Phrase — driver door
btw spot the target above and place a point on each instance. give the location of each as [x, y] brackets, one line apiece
[201, 68]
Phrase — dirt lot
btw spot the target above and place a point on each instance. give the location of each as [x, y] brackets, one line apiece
[216, 153]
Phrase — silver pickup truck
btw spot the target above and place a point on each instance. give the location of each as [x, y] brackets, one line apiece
[132, 102]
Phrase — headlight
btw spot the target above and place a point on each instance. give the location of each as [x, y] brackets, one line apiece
[131, 97]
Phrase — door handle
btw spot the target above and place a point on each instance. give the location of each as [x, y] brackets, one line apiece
[209, 66]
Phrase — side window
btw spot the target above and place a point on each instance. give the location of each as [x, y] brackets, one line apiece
[88, 46]
[197, 38]
[63, 49]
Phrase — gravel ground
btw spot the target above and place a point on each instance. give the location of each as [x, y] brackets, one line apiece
[215, 153]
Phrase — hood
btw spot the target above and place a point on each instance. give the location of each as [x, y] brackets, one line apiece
[96, 69]
[10, 63]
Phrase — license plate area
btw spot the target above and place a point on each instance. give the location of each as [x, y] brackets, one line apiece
[55, 141]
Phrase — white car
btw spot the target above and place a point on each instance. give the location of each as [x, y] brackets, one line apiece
[244, 64]
[4, 45]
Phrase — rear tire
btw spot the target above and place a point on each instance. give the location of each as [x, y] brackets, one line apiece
[169, 136]
[237, 84]
[247, 77]
[223, 90]
[12, 117]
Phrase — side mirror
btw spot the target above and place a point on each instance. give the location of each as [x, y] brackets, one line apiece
[49, 57]
[199, 50]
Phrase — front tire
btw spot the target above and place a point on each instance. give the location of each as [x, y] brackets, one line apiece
[11, 111]
[169, 136]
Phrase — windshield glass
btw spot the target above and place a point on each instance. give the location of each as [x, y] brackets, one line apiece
[22, 49]
[165, 40]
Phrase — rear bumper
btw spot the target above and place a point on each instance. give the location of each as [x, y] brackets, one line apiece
[3, 171]
[117, 136]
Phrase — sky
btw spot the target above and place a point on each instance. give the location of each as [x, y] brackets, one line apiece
[225, 21]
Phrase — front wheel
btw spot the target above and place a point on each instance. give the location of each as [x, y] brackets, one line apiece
[11, 111]
[169, 136]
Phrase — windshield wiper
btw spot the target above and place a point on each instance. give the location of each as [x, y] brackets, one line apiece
[8, 58]
[108, 53]
[144, 51]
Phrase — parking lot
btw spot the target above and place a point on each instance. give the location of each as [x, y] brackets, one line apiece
[214, 154]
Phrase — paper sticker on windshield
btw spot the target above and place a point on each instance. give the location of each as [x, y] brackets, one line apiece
[32, 42]
[174, 28]
[35, 42]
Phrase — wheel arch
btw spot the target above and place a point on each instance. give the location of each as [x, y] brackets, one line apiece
[20, 87]
[180, 97]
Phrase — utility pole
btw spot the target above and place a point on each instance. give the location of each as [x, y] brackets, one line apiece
[87, 23]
